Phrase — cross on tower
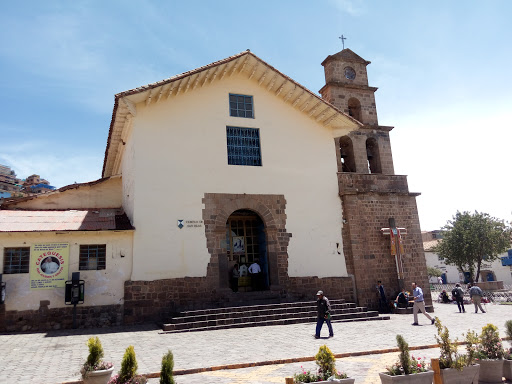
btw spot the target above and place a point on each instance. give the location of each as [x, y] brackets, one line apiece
[342, 38]
[397, 247]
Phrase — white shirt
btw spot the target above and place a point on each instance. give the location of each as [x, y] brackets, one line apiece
[50, 267]
[254, 268]
[243, 270]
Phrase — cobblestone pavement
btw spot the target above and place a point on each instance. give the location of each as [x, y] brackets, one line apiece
[54, 357]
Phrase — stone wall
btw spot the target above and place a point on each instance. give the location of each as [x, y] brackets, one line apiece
[45, 319]
[305, 288]
[368, 202]
[339, 94]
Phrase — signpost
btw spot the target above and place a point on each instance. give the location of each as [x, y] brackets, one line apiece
[75, 289]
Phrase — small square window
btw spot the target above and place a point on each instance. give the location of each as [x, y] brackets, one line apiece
[240, 106]
[243, 146]
[92, 257]
[16, 260]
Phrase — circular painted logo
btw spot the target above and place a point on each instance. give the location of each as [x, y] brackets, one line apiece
[50, 265]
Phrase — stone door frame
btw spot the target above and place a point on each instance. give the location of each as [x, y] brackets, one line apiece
[218, 207]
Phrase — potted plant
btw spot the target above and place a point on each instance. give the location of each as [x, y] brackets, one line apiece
[326, 372]
[166, 375]
[128, 372]
[95, 370]
[456, 368]
[507, 364]
[407, 369]
[490, 355]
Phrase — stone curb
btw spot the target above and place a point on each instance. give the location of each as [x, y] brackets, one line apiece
[180, 372]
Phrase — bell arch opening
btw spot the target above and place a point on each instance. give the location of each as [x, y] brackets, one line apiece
[348, 163]
[354, 108]
[373, 156]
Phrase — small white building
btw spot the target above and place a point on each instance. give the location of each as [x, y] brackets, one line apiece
[498, 270]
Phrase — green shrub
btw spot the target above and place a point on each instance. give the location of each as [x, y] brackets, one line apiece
[405, 364]
[326, 368]
[471, 347]
[128, 365]
[508, 328]
[166, 376]
[94, 360]
[449, 357]
[490, 346]
[325, 361]
[95, 351]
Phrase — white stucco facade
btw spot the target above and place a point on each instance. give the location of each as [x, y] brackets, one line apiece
[178, 148]
[501, 273]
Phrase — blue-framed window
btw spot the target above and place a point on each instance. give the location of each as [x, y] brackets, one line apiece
[241, 106]
[507, 260]
[92, 257]
[16, 260]
[243, 146]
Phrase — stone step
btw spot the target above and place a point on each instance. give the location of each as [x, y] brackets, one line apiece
[207, 326]
[408, 310]
[266, 314]
[253, 312]
[259, 307]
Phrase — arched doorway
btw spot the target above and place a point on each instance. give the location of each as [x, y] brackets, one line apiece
[247, 244]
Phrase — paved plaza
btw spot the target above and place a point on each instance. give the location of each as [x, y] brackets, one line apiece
[56, 356]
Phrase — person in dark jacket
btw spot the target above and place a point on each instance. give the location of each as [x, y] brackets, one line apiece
[458, 295]
[323, 308]
[402, 300]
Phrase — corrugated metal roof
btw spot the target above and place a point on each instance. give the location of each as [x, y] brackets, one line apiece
[70, 220]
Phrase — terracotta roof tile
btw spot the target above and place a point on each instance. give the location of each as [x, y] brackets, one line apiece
[428, 245]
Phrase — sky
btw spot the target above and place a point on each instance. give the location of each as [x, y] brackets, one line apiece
[442, 69]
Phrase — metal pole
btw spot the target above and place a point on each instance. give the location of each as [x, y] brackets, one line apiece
[74, 317]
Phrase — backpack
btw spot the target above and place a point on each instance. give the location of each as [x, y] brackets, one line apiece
[455, 292]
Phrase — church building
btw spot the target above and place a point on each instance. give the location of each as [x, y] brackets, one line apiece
[230, 163]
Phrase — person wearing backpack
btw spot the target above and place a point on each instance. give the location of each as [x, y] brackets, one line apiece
[458, 295]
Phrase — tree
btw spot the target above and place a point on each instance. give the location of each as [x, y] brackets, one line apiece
[433, 272]
[470, 238]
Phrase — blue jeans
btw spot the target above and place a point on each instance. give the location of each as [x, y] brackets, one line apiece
[320, 323]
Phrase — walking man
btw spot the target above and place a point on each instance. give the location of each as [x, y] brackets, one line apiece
[323, 308]
[419, 304]
[458, 294]
[475, 292]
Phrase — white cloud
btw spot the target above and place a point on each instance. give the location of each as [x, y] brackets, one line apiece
[352, 7]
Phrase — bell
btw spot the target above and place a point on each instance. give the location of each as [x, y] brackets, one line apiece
[369, 153]
[343, 154]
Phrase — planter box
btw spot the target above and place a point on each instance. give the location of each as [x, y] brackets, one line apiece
[468, 375]
[507, 369]
[342, 381]
[415, 378]
[98, 377]
[491, 371]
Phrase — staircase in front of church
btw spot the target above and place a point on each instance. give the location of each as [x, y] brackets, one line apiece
[266, 314]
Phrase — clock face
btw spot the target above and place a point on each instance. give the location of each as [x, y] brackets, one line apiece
[350, 73]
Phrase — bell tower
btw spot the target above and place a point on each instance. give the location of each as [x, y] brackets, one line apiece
[346, 87]
[370, 191]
